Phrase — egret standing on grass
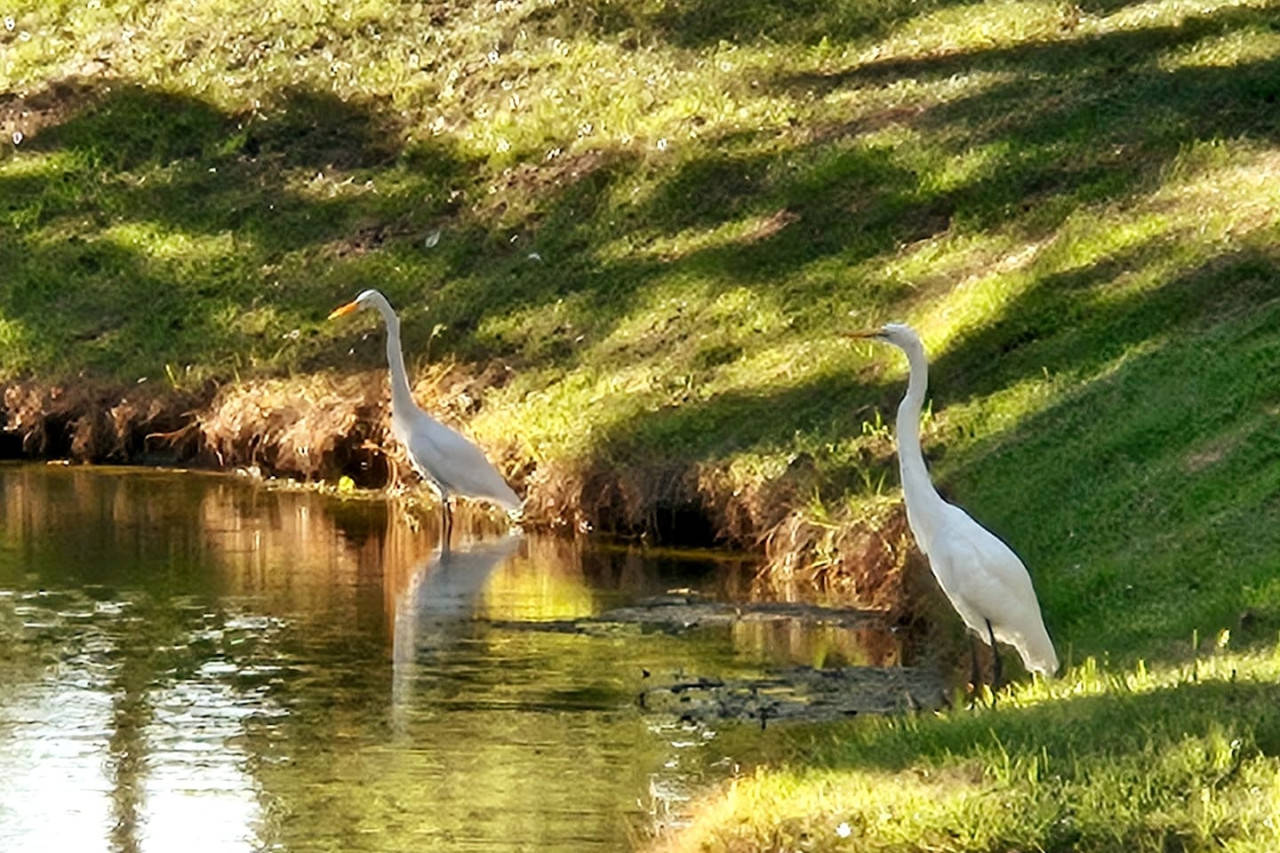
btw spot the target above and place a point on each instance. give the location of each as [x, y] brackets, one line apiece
[440, 455]
[985, 581]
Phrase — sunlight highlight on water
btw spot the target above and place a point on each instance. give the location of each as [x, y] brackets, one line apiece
[193, 662]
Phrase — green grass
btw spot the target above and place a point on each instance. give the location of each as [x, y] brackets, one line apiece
[661, 216]
[1181, 759]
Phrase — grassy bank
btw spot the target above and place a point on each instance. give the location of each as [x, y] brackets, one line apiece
[625, 238]
[1178, 758]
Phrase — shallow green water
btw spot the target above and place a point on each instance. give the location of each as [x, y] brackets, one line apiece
[191, 662]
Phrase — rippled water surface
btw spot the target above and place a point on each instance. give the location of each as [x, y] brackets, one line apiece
[191, 662]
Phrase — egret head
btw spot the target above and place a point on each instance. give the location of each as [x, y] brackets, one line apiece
[367, 299]
[899, 334]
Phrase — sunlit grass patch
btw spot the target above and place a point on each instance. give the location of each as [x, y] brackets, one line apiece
[1053, 768]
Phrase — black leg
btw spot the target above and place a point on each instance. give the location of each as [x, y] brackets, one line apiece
[995, 663]
[975, 675]
[447, 530]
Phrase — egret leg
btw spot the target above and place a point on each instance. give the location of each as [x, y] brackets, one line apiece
[975, 674]
[995, 663]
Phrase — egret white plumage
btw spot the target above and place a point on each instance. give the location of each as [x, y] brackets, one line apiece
[983, 578]
[441, 456]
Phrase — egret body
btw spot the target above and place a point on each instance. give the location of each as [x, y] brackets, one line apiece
[441, 456]
[981, 576]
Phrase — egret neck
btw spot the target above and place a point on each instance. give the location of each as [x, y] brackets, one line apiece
[401, 396]
[925, 507]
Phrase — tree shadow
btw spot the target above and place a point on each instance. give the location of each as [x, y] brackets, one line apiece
[737, 422]
[135, 178]
[1090, 58]
[178, 160]
[1080, 122]
[1029, 336]
[829, 195]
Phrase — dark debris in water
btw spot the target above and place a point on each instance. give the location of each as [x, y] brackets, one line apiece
[676, 613]
[799, 693]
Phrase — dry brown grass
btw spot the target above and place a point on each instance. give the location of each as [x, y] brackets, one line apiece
[321, 426]
[95, 422]
[307, 428]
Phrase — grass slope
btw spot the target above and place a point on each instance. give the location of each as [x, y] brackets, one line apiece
[1130, 761]
[654, 220]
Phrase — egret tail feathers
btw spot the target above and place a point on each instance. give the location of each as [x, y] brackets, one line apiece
[1035, 649]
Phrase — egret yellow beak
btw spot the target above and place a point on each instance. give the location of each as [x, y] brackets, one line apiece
[343, 310]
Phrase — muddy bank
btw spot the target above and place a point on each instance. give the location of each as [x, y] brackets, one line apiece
[323, 426]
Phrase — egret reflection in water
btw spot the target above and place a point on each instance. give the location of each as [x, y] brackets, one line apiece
[440, 598]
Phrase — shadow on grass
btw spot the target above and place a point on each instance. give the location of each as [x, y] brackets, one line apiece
[181, 163]
[1081, 122]
[171, 224]
[175, 163]
[1073, 322]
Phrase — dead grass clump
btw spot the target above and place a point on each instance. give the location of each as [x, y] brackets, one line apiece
[864, 561]
[555, 498]
[619, 500]
[744, 512]
[302, 427]
[89, 422]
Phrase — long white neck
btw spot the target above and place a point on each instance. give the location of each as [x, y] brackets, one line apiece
[917, 489]
[401, 397]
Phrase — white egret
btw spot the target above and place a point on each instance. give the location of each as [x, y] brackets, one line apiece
[984, 580]
[441, 456]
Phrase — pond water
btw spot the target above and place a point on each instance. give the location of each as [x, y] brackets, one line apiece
[199, 662]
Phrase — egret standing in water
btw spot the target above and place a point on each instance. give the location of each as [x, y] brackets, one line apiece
[440, 455]
[984, 580]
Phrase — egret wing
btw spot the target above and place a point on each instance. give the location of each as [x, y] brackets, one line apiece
[455, 463]
[988, 581]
